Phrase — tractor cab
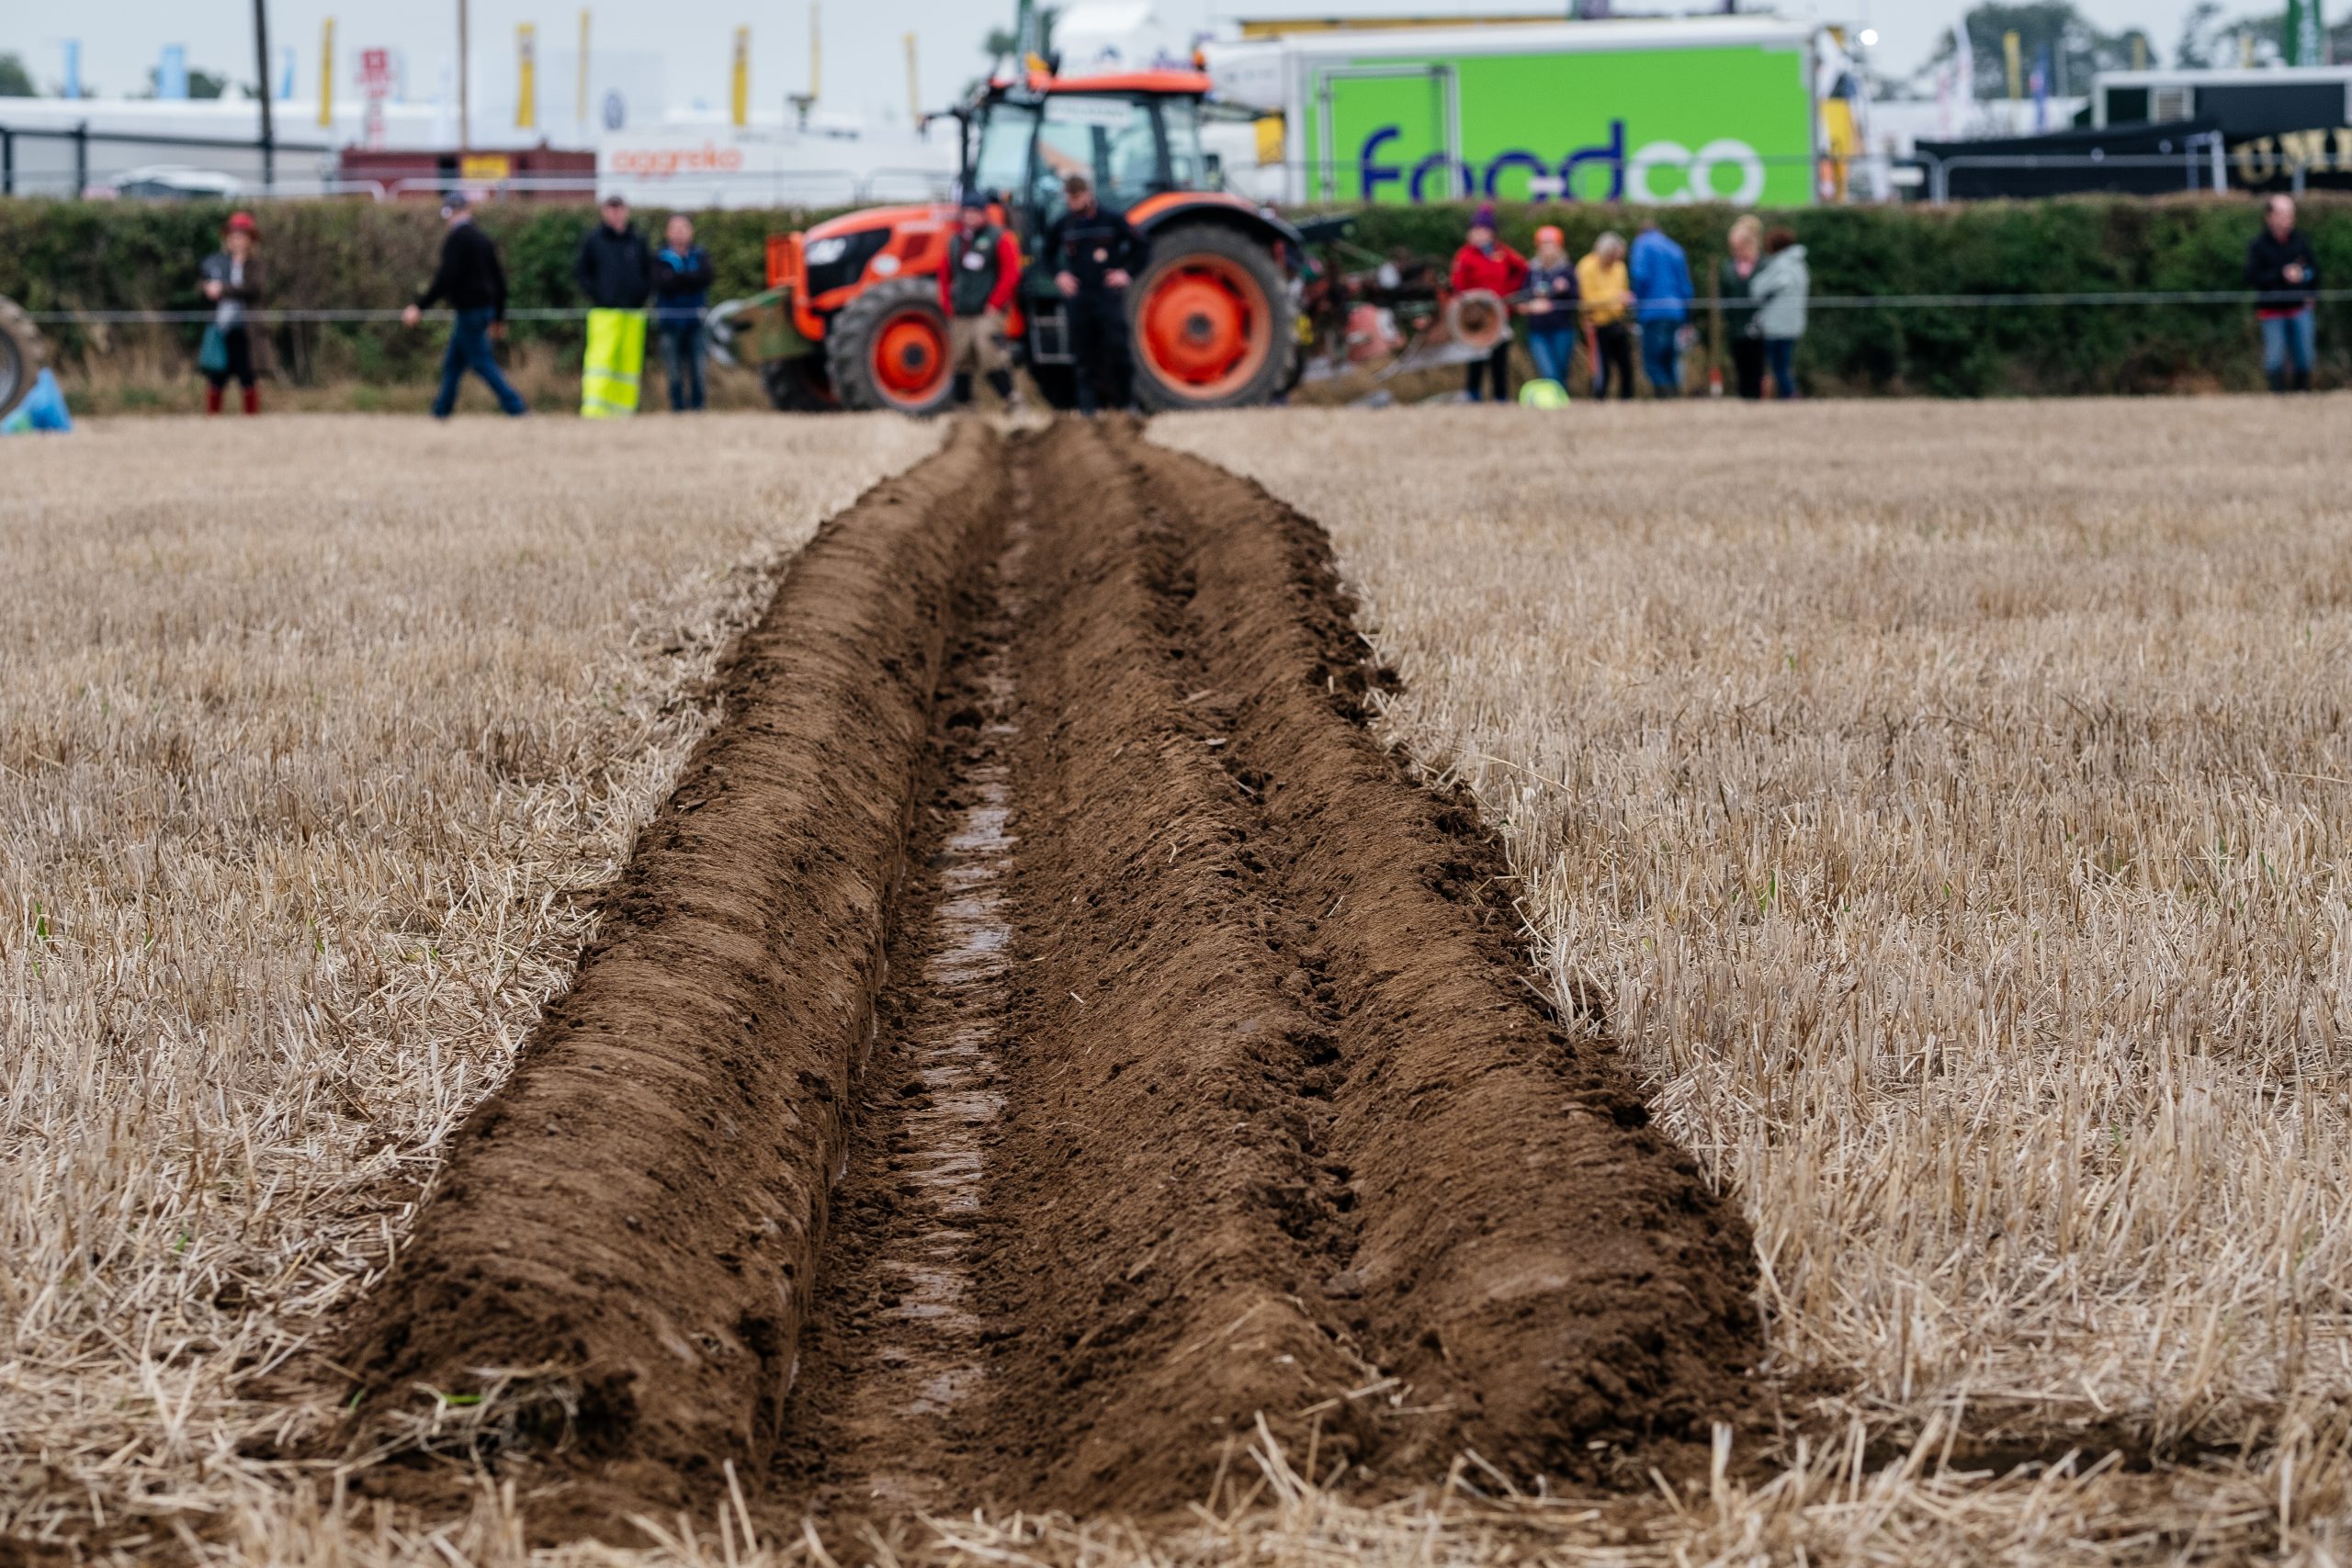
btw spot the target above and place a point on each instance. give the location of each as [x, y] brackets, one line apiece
[1135, 137]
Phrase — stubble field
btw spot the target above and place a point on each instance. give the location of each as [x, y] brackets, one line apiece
[312, 734]
[1948, 805]
[1940, 818]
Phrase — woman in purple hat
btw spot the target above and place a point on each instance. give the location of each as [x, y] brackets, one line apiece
[1485, 262]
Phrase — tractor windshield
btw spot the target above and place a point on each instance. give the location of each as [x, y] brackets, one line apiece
[1130, 145]
[1000, 161]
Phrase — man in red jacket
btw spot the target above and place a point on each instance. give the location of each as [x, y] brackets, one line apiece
[1486, 263]
[976, 289]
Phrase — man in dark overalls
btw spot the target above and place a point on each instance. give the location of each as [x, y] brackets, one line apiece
[1095, 254]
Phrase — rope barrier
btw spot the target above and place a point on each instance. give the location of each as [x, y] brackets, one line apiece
[2112, 298]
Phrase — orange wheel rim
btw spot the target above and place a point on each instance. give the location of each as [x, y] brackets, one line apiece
[1207, 326]
[911, 357]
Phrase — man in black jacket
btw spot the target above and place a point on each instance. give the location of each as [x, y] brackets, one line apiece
[1095, 254]
[615, 269]
[2281, 265]
[472, 283]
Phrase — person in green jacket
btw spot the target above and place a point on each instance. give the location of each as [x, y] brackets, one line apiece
[1734, 286]
[1781, 287]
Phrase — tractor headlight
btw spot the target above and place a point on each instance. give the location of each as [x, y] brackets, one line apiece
[824, 253]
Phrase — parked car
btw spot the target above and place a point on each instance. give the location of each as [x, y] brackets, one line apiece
[173, 181]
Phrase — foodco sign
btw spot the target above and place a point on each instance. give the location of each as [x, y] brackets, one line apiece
[1655, 126]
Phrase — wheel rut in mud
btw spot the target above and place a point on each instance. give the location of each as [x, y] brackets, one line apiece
[1044, 1036]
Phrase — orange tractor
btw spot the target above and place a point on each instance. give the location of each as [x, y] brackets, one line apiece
[850, 318]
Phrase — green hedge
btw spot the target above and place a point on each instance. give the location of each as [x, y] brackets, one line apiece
[73, 255]
[2049, 247]
[96, 255]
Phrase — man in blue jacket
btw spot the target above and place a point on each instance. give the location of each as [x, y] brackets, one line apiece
[1660, 275]
[681, 291]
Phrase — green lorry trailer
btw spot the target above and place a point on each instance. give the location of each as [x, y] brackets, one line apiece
[1659, 112]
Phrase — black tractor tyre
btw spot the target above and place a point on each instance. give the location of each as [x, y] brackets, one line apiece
[849, 345]
[1274, 377]
[22, 356]
[798, 386]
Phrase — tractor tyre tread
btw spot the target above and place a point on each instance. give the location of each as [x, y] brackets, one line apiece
[1273, 378]
[849, 339]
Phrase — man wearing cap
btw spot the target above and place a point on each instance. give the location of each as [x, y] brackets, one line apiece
[474, 285]
[1095, 254]
[231, 281]
[614, 270]
[976, 289]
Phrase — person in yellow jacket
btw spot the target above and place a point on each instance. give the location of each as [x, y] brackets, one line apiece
[614, 270]
[1608, 294]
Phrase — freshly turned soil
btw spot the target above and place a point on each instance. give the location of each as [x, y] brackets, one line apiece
[1046, 1036]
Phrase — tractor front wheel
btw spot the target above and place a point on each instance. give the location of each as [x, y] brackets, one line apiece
[1212, 322]
[888, 349]
[21, 356]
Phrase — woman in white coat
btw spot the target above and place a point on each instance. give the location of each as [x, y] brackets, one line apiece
[1781, 288]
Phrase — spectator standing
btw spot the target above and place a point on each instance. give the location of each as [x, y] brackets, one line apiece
[1095, 254]
[1552, 306]
[2282, 267]
[473, 284]
[231, 280]
[1662, 294]
[1782, 287]
[1735, 284]
[615, 269]
[1484, 262]
[976, 289]
[1607, 292]
[681, 291]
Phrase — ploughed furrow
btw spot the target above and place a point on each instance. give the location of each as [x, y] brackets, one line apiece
[1046, 1036]
[1532, 1258]
[615, 1267]
[1291, 1133]
[892, 1360]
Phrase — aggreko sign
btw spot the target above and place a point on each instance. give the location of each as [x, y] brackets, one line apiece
[1651, 124]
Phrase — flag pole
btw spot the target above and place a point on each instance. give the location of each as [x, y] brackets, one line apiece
[261, 81]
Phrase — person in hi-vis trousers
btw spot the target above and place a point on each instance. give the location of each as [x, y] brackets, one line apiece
[615, 269]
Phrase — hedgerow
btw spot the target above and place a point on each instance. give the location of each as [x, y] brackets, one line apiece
[71, 257]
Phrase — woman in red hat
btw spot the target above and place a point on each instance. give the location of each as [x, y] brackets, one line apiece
[232, 283]
[1552, 317]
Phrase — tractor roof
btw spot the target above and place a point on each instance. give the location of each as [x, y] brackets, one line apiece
[1168, 84]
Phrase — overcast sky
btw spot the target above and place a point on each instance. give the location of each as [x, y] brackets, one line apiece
[864, 66]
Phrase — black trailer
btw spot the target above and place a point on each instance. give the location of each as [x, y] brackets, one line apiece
[2144, 160]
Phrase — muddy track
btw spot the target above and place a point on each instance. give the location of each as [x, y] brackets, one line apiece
[1045, 1035]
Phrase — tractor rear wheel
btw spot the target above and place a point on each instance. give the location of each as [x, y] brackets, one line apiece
[888, 349]
[22, 356]
[1212, 322]
[798, 386]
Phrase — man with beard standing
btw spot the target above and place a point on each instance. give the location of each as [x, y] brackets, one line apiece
[1095, 254]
